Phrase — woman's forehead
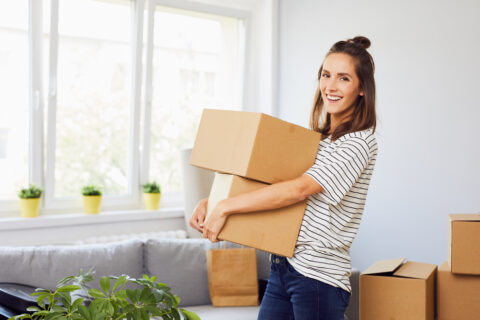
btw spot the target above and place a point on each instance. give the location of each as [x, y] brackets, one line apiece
[339, 63]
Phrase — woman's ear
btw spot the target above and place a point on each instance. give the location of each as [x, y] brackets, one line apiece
[361, 93]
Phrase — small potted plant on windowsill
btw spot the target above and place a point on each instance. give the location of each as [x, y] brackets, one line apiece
[151, 195]
[92, 198]
[30, 201]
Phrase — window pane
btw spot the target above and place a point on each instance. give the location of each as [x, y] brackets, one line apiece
[195, 65]
[93, 101]
[14, 115]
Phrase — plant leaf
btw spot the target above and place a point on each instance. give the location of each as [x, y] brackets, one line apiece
[68, 288]
[145, 294]
[189, 315]
[105, 284]
[66, 299]
[96, 293]
[84, 312]
[77, 302]
[33, 309]
[120, 282]
[175, 314]
[131, 295]
[177, 300]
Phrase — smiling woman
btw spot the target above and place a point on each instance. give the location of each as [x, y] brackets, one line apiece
[314, 282]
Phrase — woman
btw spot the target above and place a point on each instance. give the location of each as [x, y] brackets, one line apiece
[314, 283]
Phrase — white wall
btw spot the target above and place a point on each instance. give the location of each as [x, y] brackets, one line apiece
[428, 83]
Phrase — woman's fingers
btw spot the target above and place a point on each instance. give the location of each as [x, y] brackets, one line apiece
[198, 216]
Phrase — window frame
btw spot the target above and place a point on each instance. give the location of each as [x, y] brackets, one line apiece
[257, 46]
[175, 198]
[131, 199]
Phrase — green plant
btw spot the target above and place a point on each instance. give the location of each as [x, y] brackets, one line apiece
[91, 190]
[31, 192]
[151, 299]
[151, 187]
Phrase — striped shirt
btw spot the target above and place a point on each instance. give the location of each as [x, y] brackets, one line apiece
[332, 218]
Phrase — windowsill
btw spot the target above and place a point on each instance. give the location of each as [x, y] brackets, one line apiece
[18, 223]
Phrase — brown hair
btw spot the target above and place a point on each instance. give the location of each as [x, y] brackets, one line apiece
[363, 115]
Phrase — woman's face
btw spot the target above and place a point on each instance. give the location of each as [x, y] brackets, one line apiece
[339, 84]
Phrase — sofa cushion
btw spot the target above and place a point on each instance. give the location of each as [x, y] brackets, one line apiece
[44, 266]
[182, 265]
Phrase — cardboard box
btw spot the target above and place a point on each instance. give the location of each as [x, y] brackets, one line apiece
[457, 295]
[253, 145]
[275, 231]
[464, 243]
[393, 290]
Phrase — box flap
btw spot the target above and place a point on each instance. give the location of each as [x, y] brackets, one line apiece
[464, 217]
[384, 266]
[415, 270]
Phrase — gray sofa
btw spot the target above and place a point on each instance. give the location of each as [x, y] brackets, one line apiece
[180, 263]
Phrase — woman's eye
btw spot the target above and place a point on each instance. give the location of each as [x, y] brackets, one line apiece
[344, 79]
[325, 75]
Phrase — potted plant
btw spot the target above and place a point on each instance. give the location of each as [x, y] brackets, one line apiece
[30, 201]
[74, 299]
[151, 195]
[92, 198]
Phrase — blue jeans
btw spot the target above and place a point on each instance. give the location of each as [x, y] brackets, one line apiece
[290, 295]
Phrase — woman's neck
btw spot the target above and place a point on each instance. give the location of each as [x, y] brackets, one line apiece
[336, 120]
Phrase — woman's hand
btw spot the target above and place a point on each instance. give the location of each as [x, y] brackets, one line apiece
[198, 215]
[214, 223]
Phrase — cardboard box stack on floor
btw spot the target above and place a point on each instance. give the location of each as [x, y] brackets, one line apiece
[458, 280]
[250, 150]
[391, 289]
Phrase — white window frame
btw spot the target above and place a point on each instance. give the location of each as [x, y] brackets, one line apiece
[131, 199]
[35, 103]
[175, 198]
[259, 93]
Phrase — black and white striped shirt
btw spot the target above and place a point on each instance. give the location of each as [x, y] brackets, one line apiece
[332, 218]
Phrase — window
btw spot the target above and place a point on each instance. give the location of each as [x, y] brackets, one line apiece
[195, 64]
[93, 85]
[75, 72]
[14, 101]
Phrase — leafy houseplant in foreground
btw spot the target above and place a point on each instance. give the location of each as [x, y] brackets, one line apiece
[113, 302]
[151, 195]
[92, 197]
[30, 201]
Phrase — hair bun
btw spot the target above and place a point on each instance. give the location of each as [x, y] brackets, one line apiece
[360, 40]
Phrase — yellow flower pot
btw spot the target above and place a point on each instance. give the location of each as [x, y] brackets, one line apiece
[152, 200]
[91, 204]
[29, 207]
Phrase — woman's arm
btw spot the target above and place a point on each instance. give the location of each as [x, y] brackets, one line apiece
[274, 196]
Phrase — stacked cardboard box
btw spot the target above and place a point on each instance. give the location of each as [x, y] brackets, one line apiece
[248, 151]
[458, 281]
[391, 289]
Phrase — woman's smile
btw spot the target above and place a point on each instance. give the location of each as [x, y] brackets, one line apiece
[333, 98]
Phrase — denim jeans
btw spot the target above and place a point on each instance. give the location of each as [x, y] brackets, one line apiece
[290, 295]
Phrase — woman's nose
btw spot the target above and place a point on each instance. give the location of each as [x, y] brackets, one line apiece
[331, 86]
